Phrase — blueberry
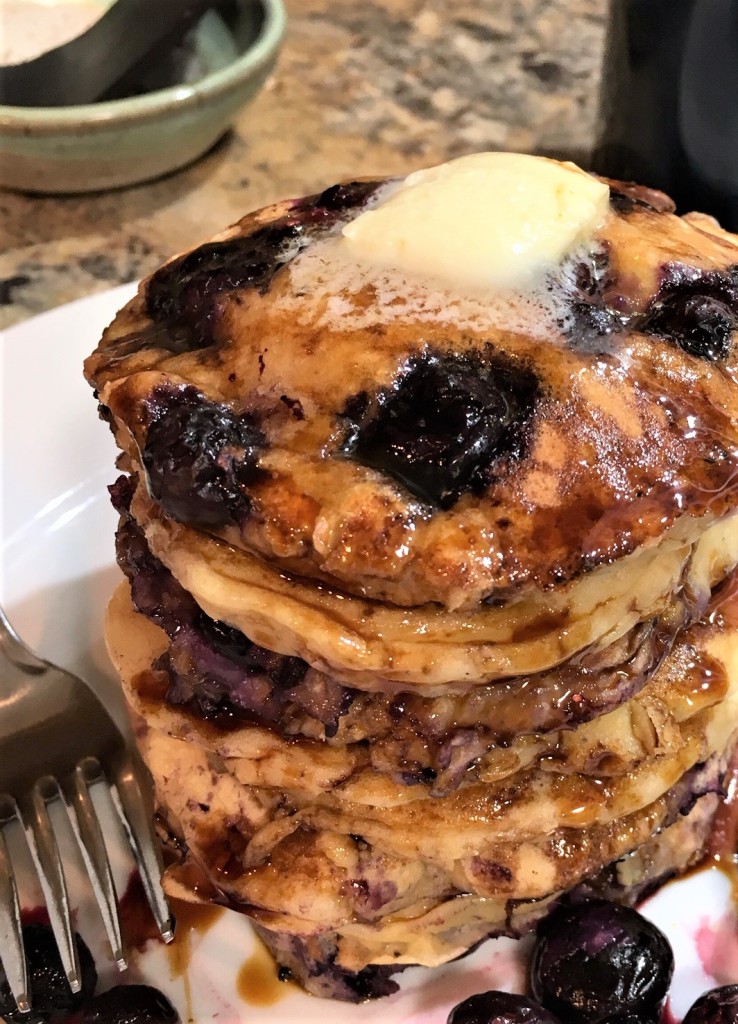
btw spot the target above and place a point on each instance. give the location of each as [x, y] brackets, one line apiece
[445, 424]
[630, 1018]
[626, 196]
[130, 1004]
[199, 456]
[50, 991]
[347, 195]
[698, 324]
[718, 1006]
[500, 1008]
[596, 961]
[590, 322]
[184, 294]
[696, 310]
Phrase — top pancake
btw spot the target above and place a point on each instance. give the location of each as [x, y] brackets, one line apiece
[412, 445]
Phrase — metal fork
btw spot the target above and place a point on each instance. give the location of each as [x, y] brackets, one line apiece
[56, 740]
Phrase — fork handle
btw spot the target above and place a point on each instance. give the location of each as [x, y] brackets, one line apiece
[12, 648]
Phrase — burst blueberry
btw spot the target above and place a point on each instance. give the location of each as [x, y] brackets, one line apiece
[347, 195]
[697, 312]
[184, 294]
[200, 457]
[446, 424]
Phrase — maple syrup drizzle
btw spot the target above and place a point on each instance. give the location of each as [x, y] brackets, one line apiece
[723, 609]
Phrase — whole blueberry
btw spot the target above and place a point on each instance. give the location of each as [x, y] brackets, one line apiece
[130, 1004]
[499, 1008]
[718, 1006]
[49, 988]
[631, 1018]
[597, 961]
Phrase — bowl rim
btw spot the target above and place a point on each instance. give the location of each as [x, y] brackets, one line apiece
[25, 120]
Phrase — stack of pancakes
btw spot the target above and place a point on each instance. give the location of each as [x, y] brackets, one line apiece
[431, 612]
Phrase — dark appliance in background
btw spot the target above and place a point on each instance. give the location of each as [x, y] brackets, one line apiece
[670, 102]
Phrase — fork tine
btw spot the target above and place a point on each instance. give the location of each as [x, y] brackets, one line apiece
[86, 827]
[130, 803]
[11, 937]
[45, 852]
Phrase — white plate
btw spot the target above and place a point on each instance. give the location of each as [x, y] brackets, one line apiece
[57, 572]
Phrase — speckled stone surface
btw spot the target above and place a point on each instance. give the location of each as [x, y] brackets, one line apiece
[382, 86]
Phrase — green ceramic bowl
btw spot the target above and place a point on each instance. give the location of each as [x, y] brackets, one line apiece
[122, 141]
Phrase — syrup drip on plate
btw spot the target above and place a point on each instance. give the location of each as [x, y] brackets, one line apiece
[258, 982]
[191, 920]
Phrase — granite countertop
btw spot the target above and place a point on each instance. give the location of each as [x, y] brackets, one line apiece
[381, 87]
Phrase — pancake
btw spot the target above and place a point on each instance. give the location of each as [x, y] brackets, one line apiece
[541, 800]
[428, 520]
[382, 647]
[272, 825]
[269, 350]
[435, 737]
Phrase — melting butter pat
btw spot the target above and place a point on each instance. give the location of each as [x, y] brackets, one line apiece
[485, 220]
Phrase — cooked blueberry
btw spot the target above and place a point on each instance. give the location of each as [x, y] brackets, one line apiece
[695, 310]
[183, 295]
[347, 195]
[626, 196]
[623, 203]
[130, 1004]
[199, 457]
[589, 317]
[210, 668]
[718, 1006]
[592, 273]
[284, 670]
[500, 1008]
[121, 494]
[446, 424]
[698, 324]
[596, 961]
[185, 291]
[589, 322]
[50, 991]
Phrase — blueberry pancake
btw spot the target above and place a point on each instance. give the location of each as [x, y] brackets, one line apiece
[429, 532]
